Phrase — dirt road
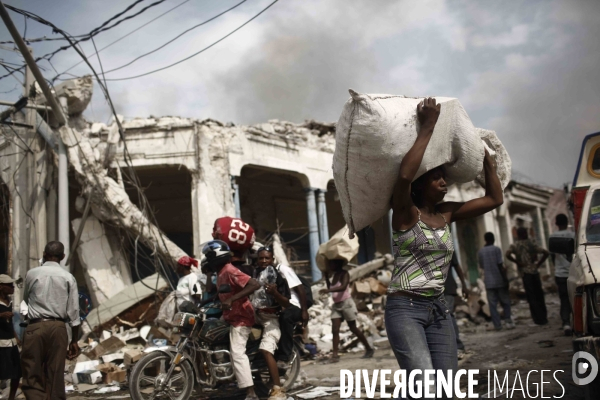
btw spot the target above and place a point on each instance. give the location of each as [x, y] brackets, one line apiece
[506, 350]
[514, 351]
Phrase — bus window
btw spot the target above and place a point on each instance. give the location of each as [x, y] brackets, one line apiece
[593, 222]
[594, 161]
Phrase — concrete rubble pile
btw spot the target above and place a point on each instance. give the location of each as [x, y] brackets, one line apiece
[105, 361]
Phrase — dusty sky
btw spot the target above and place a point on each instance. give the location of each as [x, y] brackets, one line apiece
[527, 69]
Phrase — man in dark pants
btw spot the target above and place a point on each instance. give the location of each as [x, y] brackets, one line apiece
[296, 312]
[524, 252]
[52, 297]
[450, 293]
[495, 279]
[562, 263]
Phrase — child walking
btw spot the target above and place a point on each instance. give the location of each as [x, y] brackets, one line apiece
[343, 308]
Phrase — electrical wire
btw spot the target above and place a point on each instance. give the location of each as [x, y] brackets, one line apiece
[98, 29]
[130, 176]
[198, 52]
[11, 70]
[124, 36]
[101, 28]
[11, 90]
[95, 31]
[177, 37]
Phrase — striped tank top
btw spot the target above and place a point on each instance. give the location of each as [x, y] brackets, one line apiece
[421, 260]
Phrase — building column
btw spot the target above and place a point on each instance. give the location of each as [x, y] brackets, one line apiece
[542, 234]
[236, 196]
[196, 217]
[490, 223]
[313, 233]
[322, 214]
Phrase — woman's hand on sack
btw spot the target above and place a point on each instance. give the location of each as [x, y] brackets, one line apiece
[488, 161]
[324, 291]
[428, 113]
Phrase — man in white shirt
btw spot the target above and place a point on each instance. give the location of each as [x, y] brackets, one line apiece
[562, 262]
[188, 287]
[53, 299]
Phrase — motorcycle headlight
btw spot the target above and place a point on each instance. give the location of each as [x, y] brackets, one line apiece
[185, 321]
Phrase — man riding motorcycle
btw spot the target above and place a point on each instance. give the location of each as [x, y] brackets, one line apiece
[237, 309]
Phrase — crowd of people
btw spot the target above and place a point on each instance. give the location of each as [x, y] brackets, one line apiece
[419, 314]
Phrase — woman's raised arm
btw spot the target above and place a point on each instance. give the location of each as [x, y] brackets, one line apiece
[494, 197]
[427, 112]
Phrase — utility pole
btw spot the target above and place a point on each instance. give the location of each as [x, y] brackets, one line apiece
[63, 216]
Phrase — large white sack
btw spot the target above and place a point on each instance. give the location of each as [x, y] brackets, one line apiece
[374, 133]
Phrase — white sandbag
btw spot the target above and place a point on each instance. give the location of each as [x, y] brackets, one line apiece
[167, 311]
[340, 246]
[374, 133]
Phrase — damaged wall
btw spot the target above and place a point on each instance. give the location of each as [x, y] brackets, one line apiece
[105, 268]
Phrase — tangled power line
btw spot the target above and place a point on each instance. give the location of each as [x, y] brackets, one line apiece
[129, 174]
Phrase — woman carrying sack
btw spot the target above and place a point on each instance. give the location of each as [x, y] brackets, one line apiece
[417, 318]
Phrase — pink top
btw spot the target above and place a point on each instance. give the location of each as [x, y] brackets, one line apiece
[338, 297]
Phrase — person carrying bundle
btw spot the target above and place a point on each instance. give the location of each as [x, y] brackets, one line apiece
[343, 307]
[417, 317]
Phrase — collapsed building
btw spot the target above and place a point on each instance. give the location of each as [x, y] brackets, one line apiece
[140, 197]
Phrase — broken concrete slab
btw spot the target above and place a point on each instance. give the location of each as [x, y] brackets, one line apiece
[125, 299]
[110, 345]
[104, 270]
[89, 376]
[372, 266]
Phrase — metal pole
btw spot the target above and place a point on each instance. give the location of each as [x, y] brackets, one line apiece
[31, 63]
[63, 196]
[84, 218]
[31, 106]
[313, 233]
[31, 175]
[63, 187]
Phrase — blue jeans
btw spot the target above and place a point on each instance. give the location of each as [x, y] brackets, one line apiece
[421, 334]
[499, 294]
[450, 299]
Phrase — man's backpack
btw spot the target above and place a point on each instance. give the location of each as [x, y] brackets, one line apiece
[307, 290]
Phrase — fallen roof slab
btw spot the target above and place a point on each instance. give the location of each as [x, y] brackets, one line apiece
[128, 297]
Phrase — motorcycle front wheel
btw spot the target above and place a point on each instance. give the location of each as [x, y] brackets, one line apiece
[151, 370]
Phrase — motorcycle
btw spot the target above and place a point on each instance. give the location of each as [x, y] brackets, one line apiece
[201, 359]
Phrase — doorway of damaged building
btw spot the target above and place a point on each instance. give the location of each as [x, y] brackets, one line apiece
[168, 194]
[275, 201]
